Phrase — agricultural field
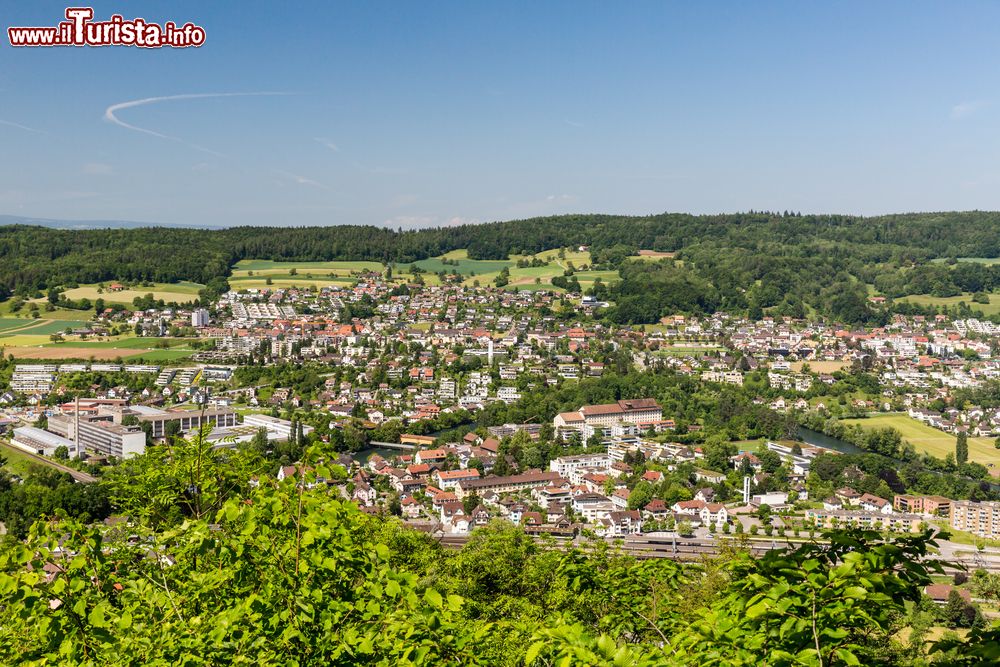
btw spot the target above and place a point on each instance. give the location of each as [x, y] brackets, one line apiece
[819, 366]
[268, 267]
[8, 323]
[977, 260]
[58, 314]
[587, 278]
[126, 348]
[654, 255]
[285, 282]
[465, 266]
[932, 441]
[170, 292]
[991, 308]
[43, 327]
[254, 273]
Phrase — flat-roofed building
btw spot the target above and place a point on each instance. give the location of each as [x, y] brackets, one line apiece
[277, 429]
[567, 465]
[38, 441]
[100, 434]
[511, 484]
[982, 519]
[926, 505]
[219, 417]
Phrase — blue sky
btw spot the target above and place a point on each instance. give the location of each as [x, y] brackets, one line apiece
[428, 113]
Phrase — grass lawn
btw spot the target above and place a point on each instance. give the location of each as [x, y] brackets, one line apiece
[577, 257]
[57, 314]
[930, 440]
[991, 308]
[465, 265]
[17, 461]
[962, 537]
[587, 278]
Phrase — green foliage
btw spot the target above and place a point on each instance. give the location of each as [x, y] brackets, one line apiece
[182, 478]
[288, 577]
[962, 448]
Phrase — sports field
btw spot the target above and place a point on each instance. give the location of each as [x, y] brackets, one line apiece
[932, 441]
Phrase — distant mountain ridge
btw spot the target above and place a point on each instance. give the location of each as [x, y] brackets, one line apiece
[93, 224]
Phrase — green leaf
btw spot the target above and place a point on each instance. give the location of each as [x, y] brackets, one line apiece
[532, 654]
[433, 598]
[848, 657]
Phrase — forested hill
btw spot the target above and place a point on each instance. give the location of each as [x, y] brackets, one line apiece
[765, 248]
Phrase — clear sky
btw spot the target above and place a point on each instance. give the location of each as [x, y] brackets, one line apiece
[428, 113]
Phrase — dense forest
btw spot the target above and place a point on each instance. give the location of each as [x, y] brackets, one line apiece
[751, 262]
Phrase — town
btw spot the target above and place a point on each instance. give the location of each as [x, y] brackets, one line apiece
[428, 391]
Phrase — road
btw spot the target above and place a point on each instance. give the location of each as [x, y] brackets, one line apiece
[41, 460]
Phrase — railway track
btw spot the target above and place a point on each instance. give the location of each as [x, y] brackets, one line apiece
[692, 550]
[81, 477]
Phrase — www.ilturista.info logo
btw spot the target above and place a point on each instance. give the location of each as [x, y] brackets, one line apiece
[81, 30]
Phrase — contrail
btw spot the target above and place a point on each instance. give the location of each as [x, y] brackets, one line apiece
[20, 127]
[109, 113]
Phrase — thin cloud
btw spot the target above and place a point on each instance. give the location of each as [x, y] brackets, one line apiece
[574, 123]
[329, 144]
[301, 180]
[97, 169]
[110, 114]
[966, 109]
[10, 123]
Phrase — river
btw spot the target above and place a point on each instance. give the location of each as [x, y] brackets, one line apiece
[818, 439]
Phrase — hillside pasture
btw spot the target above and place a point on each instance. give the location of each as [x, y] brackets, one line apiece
[929, 440]
[991, 308]
[169, 292]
